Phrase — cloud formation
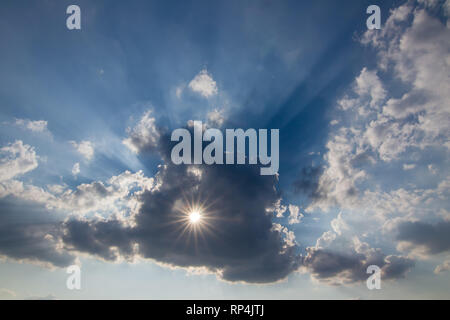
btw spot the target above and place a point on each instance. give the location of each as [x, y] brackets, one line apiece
[16, 159]
[238, 240]
[29, 232]
[204, 84]
[85, 148]
[144, 136]
[34, 126]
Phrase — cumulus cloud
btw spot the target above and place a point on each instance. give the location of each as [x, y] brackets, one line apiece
[390, 130]
[238, 241]
[204, 84]
[386, 126]
[85, 148]
[144, 136]
[32, 218]
[16, 159]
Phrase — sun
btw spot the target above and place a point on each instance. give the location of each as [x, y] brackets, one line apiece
[195, 216]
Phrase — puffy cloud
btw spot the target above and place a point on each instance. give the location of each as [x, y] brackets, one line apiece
[204, 84]
[34, 126]
[294, 214]
[31, 228]
[144, 136]
[85, 148]
[387, 124]
[16, 159]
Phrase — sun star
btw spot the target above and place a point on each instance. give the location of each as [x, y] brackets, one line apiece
[194, 217]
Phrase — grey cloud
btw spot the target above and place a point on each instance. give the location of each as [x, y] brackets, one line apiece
[239, 244]
[434, 237]
[338, 268]
[307, 182]
[28, 231]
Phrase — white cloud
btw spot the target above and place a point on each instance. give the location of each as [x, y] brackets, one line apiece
[289, 236]
[56, 188]
[294, 214]
[408, 166]
[85, 148]
[204, 84]
[35, 126]
[16, 159]
[334, 122]
[144, 135]
[396, 125]
[76, 169]
[216, 118]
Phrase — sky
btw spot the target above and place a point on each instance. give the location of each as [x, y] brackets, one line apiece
[87, 178]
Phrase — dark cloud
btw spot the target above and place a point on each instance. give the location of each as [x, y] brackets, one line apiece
[337, 267]
[239, 242]
[308, 182]
[29, 231]
[434, 237]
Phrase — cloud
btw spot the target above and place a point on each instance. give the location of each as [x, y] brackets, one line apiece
[144, 136]
[349, 263]
[76, 169]
[430, 238]
[34, 126]
[294, 214]
[204, 84]
[238, 241]
[16, 159]
[307, 183]
[444, 267]
[388, 131]
[216, 118]
[85, 148]
[408, 166]
[29, 232]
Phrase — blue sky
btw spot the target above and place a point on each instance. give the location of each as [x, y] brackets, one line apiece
[364, 143]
